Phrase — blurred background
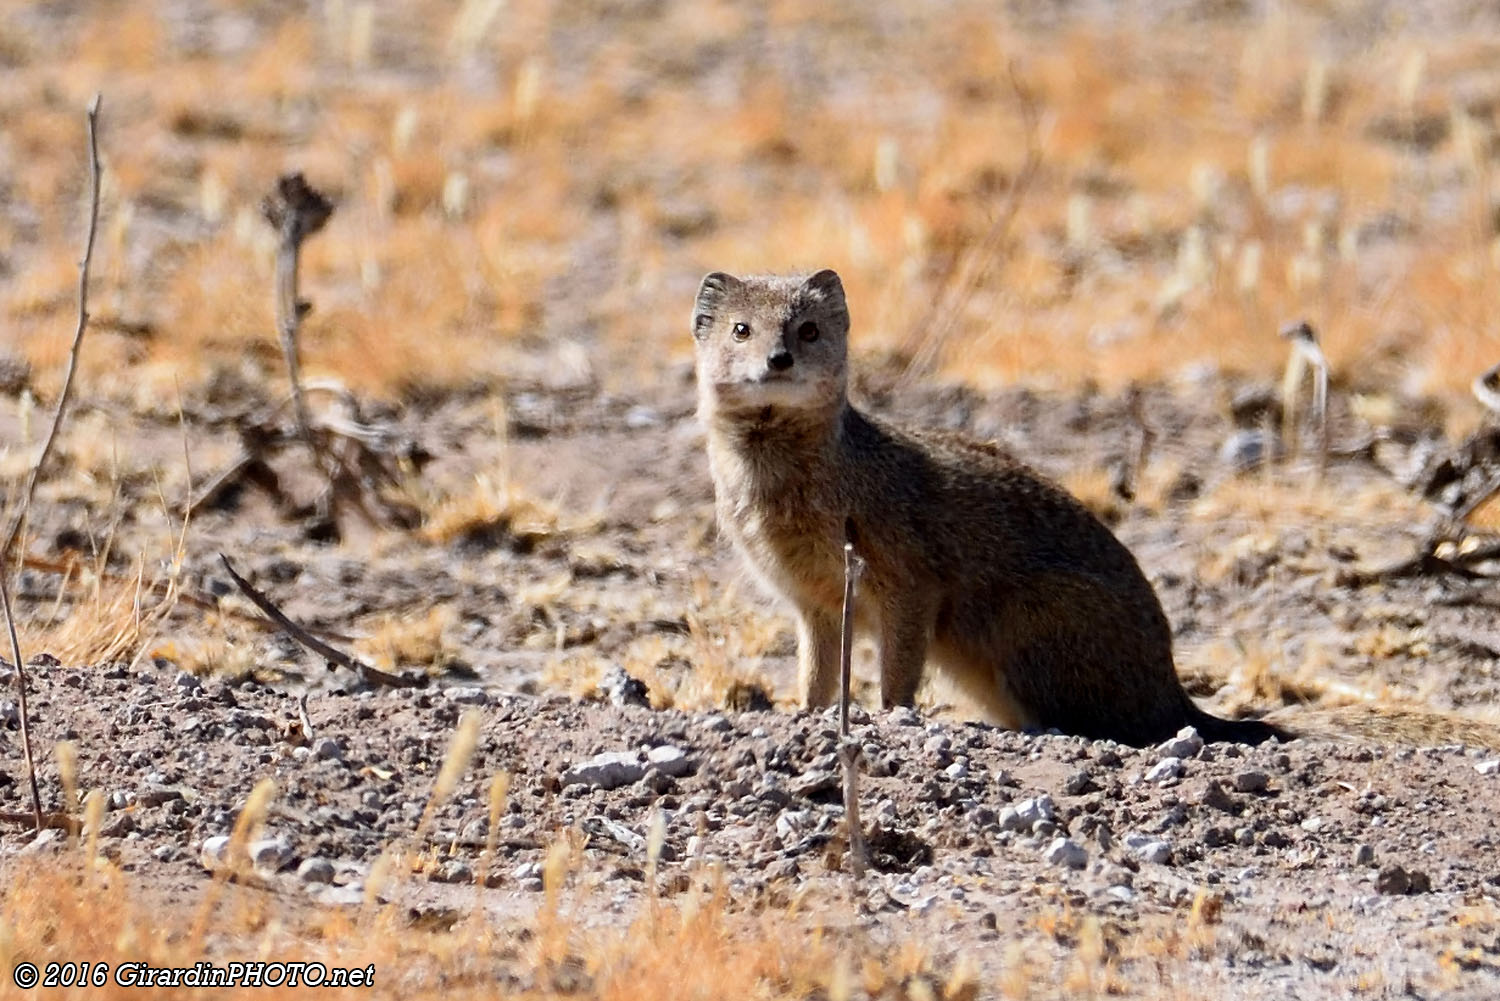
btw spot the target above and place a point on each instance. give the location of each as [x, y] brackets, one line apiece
[1051, 194]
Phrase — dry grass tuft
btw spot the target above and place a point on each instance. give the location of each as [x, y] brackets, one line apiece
[411, 639]
[689, 947]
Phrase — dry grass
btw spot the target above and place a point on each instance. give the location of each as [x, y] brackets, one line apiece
[688, 946]
[1184, 209]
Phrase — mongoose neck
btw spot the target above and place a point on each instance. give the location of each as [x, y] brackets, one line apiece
[773, 447]
[778, 427]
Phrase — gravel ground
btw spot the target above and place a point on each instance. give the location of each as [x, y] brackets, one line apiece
[1309, 870]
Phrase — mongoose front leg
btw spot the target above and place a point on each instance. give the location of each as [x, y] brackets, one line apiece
[905, 633]
[819, 636]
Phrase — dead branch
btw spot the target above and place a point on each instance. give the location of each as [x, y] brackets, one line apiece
[296, 211]
[1436, 557]
[303, 718]
[1486, 388]
[849, 761]
[354, 457]
[942, 318]
[34, 474]
[1480, 497]
[1126, 476]
[370, 675]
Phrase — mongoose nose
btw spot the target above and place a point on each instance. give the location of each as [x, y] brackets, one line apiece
[780, 361]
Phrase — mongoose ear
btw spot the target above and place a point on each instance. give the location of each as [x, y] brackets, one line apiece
[825, 287]
[711, 292]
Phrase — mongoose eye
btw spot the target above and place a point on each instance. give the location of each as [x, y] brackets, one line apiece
[741, 332]
[808, 332]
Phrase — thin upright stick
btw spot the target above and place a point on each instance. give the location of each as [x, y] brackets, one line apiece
[34, 474]
[848, 748]
[297, 211]
[852, 567]
[15, 649]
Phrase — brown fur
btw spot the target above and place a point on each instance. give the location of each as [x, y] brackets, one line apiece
[974, 562]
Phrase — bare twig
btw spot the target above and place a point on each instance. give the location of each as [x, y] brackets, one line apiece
[853, 567]
[371, 675]
[849, 748]
[1436, 557]
[1306, 354]
[939, 322]
[15, 649]
[297, 211]
[849, 760]
[34, 474]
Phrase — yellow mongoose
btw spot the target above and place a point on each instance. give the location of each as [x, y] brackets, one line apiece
[973, 561]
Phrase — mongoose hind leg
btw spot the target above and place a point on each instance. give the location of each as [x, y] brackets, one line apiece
[984, 681]
[905, 634]
[819, 637]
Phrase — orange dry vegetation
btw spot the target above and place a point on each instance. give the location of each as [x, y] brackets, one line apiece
[697, 944]
[515, 178]
[693, 947]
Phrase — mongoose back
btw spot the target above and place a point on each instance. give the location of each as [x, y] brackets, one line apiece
[974, 562]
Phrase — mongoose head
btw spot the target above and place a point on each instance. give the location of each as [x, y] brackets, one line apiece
[770, 342]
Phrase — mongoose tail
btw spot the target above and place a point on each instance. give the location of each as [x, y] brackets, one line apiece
[1240, 731]
[1387, 726]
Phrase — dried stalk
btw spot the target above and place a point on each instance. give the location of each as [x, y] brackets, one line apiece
[297, 211]
[370, 675]
[34, 474]
[853, 567]
[849, 748]
[348, 453]
[15, 649]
